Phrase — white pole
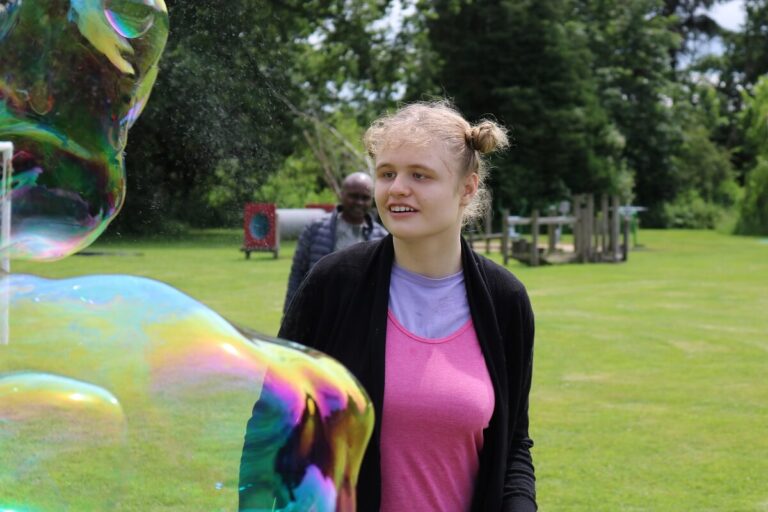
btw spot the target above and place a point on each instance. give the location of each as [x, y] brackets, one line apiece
[6, 148]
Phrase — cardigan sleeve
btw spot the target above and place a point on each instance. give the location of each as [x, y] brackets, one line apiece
[519, 479]
[300, 264]
[302, 314]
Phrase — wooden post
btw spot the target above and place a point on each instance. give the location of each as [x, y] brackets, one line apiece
[552, 239]
[577, 214]
[615, 226]
[625, 242]
[535, 238]
[505, 235]
[604, 243]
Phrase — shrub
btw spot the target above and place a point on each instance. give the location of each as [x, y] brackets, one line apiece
[690, 211]
[753, 214]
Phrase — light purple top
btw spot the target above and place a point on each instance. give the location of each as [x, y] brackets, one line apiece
[430, 308]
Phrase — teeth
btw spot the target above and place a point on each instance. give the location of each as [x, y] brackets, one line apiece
[399, 209]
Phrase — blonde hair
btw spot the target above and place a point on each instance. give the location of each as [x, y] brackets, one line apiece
[425, 122]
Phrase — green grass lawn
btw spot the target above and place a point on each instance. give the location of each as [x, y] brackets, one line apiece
[651, 377]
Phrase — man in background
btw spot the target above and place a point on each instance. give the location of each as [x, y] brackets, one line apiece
[349, 224]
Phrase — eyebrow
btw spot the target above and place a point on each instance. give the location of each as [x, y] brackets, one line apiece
[409, 167]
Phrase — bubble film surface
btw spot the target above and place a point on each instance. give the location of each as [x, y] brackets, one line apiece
[74, 76]
[121, 393]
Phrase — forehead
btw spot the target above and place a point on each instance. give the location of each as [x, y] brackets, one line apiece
[431, 155]
[358, 186]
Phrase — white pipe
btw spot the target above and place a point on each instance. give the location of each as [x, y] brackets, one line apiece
[292, 220]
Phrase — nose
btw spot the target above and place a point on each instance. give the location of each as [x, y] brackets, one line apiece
[399, 186]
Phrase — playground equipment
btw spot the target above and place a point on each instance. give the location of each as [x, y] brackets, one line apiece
[599, 232]
[596, 234]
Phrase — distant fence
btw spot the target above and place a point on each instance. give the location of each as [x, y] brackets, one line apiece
[599, 233]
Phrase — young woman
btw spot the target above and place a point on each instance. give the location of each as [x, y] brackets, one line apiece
[440, 337]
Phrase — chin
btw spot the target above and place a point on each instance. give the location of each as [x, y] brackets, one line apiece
[406, 235]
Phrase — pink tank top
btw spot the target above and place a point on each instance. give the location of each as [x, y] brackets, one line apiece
[438, 398]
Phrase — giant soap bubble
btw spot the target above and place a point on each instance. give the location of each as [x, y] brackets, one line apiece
[74, 77]
[121, 393]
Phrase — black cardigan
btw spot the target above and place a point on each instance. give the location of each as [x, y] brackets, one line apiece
[341, 309]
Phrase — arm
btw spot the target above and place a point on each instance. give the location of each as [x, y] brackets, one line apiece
[302, 314]
[300, 264]
[519, 480]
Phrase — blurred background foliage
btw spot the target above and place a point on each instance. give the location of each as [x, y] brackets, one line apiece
[266, 100]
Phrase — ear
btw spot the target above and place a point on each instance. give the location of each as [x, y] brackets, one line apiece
[468, 188]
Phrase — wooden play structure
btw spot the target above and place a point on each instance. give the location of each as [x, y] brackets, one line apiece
[599, 233]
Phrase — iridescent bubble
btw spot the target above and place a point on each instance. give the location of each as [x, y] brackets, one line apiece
[121, 393]
[130, 18]
[8, 15]
[75, 76]
[50, 425]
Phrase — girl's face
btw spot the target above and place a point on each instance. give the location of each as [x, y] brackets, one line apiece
[420, 194]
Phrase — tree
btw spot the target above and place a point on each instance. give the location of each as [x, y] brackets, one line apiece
[744, 62]
[632, 43]
[220, 110]
[753, 215]
[691, 24]
[528, 64]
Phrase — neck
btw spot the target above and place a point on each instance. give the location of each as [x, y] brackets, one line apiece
[434, 257]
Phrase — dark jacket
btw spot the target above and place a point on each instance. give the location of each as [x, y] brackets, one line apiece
[341, 309]
[317, 240]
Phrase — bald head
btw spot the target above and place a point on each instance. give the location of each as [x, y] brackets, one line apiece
[356, 197]
[358, 177]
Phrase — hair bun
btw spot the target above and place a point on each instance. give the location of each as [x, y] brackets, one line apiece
[487, 136]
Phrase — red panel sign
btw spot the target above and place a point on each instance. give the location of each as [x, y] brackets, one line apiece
[260, 225]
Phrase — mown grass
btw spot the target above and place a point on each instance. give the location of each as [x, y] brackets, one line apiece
[651, 377]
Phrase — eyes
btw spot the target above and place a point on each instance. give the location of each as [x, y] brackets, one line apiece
[387, 174]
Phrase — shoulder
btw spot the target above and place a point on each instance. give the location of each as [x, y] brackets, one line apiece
[510, 305]
[350, 262]
[344, 276]
[509, 296]
[319, 224]
[326, 220]
[378, 230]
[499, 280]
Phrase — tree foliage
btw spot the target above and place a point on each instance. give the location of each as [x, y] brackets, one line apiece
[232, 102]
[753, 215]
[528, 64]
[266, 100]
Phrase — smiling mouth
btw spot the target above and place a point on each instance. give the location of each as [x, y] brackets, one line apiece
[401, 209]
